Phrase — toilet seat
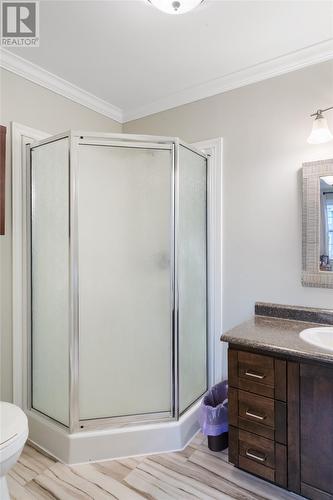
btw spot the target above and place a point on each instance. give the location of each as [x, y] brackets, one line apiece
[13, 429]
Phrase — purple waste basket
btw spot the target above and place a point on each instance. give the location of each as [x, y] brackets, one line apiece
[213, 416]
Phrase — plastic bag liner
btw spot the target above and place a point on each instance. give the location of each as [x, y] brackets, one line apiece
[213, 415]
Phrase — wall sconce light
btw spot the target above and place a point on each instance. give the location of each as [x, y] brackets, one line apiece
[320, 132]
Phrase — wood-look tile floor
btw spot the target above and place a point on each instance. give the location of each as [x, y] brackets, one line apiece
[195, 472]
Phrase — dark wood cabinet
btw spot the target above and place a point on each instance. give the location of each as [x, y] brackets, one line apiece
[281, 421]
[258, 415]
[316, 429]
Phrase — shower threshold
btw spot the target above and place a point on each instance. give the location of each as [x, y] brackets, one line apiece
[114, 442]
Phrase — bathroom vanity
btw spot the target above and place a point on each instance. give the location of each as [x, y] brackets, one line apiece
[281, 400]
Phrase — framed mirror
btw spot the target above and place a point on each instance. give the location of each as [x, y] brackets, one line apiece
[2, 177]
[317, 222]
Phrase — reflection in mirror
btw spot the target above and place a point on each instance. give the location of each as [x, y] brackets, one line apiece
[326, 223]
[317, 222]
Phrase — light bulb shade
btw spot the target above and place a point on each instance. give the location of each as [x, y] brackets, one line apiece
[175, 6]
[328, 179]
[320, 131]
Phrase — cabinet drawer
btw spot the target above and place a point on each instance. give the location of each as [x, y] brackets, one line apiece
[256, 414]
[263, 416]
[258, 455]
[256, 368]
[257, 373]
[258, 449]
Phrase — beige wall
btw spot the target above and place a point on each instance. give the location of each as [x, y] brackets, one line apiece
[29, 104]
[264, 127]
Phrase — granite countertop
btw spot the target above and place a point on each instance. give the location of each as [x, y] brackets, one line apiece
[281, 335]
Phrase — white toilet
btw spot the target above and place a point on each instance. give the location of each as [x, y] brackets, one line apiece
[13, 435]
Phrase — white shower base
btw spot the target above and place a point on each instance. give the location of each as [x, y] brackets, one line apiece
[106, 444]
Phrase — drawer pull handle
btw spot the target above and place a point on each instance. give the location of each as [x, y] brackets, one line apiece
[249, 413]
[249, 373]
[255, 455]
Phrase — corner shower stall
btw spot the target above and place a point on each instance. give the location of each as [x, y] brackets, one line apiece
[117, 243]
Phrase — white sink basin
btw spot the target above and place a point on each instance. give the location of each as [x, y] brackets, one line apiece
[321, 336]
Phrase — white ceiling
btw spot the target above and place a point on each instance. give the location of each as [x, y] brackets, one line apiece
[137, 58]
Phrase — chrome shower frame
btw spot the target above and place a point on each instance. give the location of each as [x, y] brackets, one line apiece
[75, 140]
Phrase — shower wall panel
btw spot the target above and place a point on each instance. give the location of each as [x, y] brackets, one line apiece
[192, 276]
[50, 280]
[125, 294]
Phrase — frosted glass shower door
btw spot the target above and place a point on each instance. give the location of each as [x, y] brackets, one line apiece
[124, 241]
[50, 280]
[192, 277]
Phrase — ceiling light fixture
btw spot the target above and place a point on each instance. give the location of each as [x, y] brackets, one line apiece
[320, 132]
[175, 6]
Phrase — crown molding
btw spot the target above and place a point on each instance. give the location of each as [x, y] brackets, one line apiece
[30, 71]
[293, 61]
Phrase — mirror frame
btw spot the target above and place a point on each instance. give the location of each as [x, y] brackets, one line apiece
[311, 275]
